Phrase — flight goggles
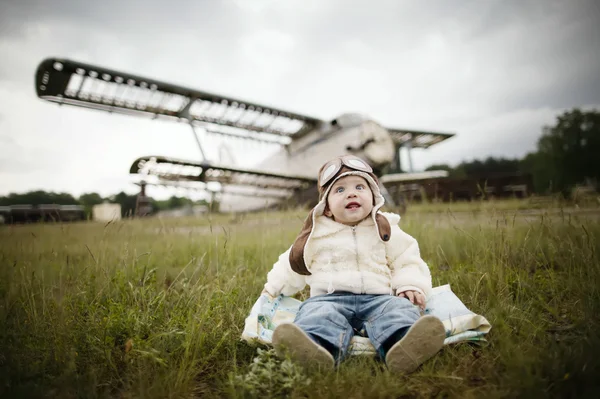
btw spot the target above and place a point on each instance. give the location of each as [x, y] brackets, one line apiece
[332, 167]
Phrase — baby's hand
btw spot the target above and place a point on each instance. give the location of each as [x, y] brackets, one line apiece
[415, 297]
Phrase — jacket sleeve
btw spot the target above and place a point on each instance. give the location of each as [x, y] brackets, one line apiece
[282, 279]
[409, 271]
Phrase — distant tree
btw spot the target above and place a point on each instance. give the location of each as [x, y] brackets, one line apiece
[534, 165]
[38, 197]
[88, 201]
[173, 202]
[490, 167]
[177, 202]
[457, 172]
[441, 166]
[127, 203]
[568, 152]
[159, 205]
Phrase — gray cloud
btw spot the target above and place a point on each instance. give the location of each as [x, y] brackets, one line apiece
[494, 72]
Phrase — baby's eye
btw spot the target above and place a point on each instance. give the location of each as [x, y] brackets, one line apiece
[360, 187]
[339, 189]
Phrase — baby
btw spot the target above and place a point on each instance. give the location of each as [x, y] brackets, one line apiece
[363, 272]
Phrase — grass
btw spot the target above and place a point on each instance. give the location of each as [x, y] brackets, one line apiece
[155, 308]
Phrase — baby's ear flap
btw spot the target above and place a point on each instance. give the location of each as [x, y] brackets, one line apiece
[383, 226]
[297, 251]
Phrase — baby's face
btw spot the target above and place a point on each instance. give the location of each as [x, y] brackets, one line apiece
[350, 200]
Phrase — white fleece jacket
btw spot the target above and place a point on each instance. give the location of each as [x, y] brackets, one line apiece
[354, 259]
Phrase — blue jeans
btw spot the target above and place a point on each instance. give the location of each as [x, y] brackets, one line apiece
[330, 320]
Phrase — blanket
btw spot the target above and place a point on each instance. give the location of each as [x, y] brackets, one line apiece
[461, 324]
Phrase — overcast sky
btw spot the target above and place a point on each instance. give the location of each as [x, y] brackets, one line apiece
[493, 72]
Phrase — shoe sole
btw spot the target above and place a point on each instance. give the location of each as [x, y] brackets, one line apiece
[289, 339]
[424, 339]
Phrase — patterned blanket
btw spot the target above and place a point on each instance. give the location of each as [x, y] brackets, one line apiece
[461, 324]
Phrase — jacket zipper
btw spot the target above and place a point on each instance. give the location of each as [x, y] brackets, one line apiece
[362, 283]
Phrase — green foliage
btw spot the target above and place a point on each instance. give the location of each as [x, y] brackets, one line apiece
[269, 377]
[534, 164]
[176, 202]
[569, 150]
[127, 202]
[90, 199]
[490, 167]
[38, 197]
[441, 166]
[475, 169]
[155, 308]
[567, 155]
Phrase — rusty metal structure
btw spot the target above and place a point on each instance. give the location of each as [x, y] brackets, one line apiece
[446, 189]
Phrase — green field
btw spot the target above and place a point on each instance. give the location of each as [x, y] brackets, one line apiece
[155, 308]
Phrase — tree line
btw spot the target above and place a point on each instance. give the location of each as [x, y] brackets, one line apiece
[567, 155]
[88, 200]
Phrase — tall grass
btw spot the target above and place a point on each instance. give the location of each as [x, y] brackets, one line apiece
[155, 308]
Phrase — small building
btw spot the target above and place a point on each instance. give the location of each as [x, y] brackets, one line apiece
[106, 212]
[27, 213]
[4, 214]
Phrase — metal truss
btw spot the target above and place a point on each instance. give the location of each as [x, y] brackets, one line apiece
[416, 138]
[75, 83]
[171, 169]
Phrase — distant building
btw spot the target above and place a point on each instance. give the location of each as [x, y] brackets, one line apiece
[27, 213]
[465, 189]
[106, 212]
[4, 212]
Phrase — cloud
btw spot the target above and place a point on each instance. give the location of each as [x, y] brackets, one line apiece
[492, 72]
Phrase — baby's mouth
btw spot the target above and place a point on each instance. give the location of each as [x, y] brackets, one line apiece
[353, 205]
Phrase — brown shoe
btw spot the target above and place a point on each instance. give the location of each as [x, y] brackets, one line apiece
[290, 339]
[422, 340]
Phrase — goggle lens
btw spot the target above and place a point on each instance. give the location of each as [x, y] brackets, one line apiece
[357, 164]
[328, 172]
[334, 167]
